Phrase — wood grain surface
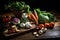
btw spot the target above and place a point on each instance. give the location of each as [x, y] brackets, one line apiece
[50, 33]
[53, 33]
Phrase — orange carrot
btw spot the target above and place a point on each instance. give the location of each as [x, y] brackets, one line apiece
[35, 13]
[33, 17]
[29, 17]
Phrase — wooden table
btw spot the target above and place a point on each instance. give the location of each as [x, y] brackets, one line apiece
[54, 33]
[50, 34]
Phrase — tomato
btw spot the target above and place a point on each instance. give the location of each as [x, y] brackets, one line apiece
[46, 25]
[52, 24]
[40, 26]
[6, 19]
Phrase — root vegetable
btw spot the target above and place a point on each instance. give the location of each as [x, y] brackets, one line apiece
[33, 17]
[29, 17]
[35, 14]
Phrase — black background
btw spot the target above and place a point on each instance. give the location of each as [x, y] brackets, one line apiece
[42, 4]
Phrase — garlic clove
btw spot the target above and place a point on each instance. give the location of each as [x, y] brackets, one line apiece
[35, 33]
[44, 29]
[22, 25]
[40, 31]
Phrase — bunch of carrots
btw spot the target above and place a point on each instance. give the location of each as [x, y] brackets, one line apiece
[33, 16]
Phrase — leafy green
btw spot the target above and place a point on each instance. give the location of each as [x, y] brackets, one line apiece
[24, 20]
[38, 11]
[17, 6]
[45, 16]
[27, 8]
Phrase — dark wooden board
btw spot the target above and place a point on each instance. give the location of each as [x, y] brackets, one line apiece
[21, 31]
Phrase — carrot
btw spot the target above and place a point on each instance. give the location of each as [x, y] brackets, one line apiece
[35, 13]
[29, 17]
[33, 17]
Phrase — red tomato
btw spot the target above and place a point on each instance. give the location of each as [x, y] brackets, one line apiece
[52, 24]
[40, 26]
[46, 25]
[5, 19]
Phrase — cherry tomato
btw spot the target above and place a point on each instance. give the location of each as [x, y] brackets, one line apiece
[46, 25]
[52, 24]
[40, 26]
[5, 19]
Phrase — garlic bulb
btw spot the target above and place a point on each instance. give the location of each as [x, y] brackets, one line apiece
[35, 33]
[22, 25]
[28, 25]
[44, 29]
[24, 15]
[40, 32]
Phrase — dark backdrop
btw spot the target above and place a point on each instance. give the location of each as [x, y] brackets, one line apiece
[42, 4]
